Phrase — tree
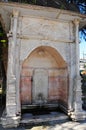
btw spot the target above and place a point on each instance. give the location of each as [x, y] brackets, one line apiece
[74, 5]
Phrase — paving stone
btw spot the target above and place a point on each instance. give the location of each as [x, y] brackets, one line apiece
[64, 124]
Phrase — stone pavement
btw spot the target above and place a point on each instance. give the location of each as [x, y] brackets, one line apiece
[69, 125]
[62, 123]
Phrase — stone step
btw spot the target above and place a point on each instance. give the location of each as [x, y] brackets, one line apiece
[30, 119]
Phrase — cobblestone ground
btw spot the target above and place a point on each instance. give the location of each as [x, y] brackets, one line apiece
[69, 125]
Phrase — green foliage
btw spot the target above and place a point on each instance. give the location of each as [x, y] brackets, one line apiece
[34, 1]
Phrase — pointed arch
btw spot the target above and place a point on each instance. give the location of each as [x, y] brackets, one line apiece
[45, 54]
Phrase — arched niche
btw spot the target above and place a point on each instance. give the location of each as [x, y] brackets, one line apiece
[43, 74]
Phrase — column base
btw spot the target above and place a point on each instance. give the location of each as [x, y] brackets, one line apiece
[78, 115]
[10, 122]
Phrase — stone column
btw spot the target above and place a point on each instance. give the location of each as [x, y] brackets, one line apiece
[78, 113]
[18, 67]
[71, 69]
[10, 119]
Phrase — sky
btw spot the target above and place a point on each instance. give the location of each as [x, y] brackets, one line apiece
[83, 49]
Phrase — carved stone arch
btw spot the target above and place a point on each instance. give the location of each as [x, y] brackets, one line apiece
[5, 18]
[43, 60]
[53, 52]
[2, 22]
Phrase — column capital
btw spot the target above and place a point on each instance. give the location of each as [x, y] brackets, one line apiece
[15, 13]
[76, 21]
